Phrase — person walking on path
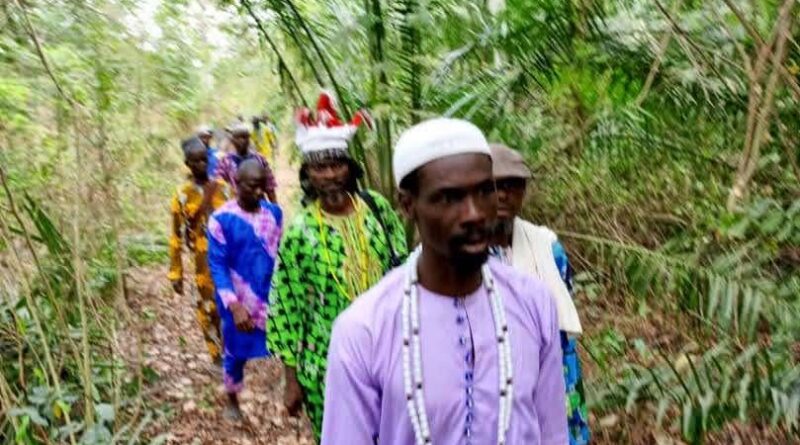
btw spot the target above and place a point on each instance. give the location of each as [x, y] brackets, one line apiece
[449, 348]
[206, 134]
[243, 235]
[341, 243]
[229, 165]
[535, 250]
[191, 204]
[265, 137]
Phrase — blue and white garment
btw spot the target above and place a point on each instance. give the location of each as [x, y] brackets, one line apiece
[242, 249]
[213, 161]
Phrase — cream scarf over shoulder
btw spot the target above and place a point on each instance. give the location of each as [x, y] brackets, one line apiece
[532, 252]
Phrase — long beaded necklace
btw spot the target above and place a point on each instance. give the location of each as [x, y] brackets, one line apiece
[412, 356]
[362, 255]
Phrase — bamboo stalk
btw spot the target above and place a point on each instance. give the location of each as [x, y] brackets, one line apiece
[115, 377]
[31, 304]
[380, 87]
[759, 115]
[293, 34]
[27, 236]
[271, 43]
[687, 43]
[651, 75]
[787, 76]
[77, 265]
[321, 55]
[7, 401]
[40, 52]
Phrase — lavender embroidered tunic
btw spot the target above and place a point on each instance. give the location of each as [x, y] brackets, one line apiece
[365, 401]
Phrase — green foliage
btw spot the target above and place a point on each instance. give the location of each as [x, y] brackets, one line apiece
[739, 295]
[147, 250]
[91, 108]
[13, 93]
[605, 347]
[634, 115]
[48, 412]
[702, 393]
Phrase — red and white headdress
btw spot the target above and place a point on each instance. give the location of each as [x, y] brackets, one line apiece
[325, 135]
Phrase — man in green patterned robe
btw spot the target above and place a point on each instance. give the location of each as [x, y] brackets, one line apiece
[341, 243]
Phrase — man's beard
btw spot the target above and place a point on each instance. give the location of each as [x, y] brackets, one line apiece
[335, 194]
[503, 227]
[249, 202]
[335, 197]
[469, 262]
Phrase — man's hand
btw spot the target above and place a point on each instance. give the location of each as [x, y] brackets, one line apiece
[241, 317]
[177, 286]
[293, 394]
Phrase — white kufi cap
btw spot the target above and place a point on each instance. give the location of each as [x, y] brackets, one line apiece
[238, 127]
[435, 139]
[204, 130]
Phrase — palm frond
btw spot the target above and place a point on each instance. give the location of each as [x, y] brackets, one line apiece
[700, 393]
[407, 13]
[283, 68]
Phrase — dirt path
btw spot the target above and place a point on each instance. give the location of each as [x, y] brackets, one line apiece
[183, 385]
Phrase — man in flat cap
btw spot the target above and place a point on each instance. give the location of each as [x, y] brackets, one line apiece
[205, 133]
[535, 250]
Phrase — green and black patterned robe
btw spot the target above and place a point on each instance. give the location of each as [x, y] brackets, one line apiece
[309, 287]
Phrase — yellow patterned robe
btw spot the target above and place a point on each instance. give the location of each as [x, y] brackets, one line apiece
[266, 141]
[189, 226]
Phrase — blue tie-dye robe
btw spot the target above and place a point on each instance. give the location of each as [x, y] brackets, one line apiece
[242, 248]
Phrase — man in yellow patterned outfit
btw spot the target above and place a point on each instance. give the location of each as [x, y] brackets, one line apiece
[265, 137]
[193, 201]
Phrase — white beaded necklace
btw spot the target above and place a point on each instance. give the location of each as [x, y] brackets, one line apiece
[412, 356]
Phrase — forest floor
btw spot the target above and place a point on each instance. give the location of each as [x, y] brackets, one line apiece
[182, 383]
[187, 388]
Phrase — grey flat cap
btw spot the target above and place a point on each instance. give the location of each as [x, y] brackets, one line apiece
[508, 163]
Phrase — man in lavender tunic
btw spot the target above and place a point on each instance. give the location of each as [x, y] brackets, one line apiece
[423, 357]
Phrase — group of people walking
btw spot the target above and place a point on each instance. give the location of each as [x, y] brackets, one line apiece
[468, 338]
